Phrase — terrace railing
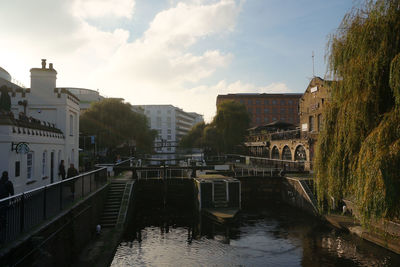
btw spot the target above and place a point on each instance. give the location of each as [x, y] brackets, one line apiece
[23, 212]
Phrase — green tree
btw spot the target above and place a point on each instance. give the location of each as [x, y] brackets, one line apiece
[115, 124]
[193, 139]
[5, 100]
[231, 122]
[358, 152]
[224, 133]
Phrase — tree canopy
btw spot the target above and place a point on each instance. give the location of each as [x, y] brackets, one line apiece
[224, 133]
[5, 99]
[358, 152]
[115, 124]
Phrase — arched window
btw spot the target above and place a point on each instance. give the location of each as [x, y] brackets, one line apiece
[300, 153]
[286, 153]
[275, 153]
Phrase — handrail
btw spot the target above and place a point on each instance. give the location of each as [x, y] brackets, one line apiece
[24, 211]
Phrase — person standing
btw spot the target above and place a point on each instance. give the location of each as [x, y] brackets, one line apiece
[6, 186]
[6, 190]
[61, 170]
[72, 171]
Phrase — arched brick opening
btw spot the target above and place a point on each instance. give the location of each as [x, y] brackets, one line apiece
[275, 153]
[300, 153]
[286, 153]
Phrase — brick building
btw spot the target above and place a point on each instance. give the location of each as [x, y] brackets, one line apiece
[267, 108]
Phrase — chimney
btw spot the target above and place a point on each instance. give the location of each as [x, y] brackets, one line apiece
[43, 63]
[51, 66]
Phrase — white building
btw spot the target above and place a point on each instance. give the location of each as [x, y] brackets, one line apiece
[86, 97]
[41, 130]
[172, 124]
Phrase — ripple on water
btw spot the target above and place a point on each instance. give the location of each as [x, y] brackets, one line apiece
[265, 241]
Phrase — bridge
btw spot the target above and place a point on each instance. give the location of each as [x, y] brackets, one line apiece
[42, 221]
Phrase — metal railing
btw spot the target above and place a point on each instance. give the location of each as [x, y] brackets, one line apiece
[260, 162]
[259, 172]
[158, 173]
[23, 212]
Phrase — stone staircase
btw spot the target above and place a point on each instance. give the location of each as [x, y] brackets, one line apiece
[220, 194]
[112, 206]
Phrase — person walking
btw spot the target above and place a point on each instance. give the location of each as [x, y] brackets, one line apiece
[6, 186]
[72, 171]
[61, 170]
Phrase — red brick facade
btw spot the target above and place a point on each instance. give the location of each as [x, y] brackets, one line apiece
[267, 108]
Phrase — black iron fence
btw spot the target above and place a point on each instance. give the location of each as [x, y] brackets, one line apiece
[21, 213]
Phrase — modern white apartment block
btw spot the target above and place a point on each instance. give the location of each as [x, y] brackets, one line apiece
[41, 130]
[172, 123]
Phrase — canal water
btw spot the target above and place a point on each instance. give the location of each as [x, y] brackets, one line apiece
[275, 235]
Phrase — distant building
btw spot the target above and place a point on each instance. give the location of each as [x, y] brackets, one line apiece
[311, 107]
[267, 108]
[282, 141]
[41, 130]
[86, 97]
[172, 123]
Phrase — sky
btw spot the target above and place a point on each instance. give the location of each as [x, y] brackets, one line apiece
[182, 53]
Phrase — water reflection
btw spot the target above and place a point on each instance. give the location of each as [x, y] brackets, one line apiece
[268, 237]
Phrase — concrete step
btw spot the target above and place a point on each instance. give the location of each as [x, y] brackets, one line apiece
[109, 219]
[108, 225]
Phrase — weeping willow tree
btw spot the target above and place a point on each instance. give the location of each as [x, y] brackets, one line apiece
[358, 152]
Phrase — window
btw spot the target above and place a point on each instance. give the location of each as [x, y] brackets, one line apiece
[266, 119]
[44, 164]
[258, 102]
[168, 149]
[273, 119]
[266, 102]
[169, 137]
[274, 102]
[168, 119]
[249, 110]
[250, 102]
[274, 111]
[266, 111]
[29, 165]
[169, 111]
[258, 120]
[283, 111]
[311, 123]
[159, 122]
[290, 102]
[319, 121]
[158, 111]
[169, 131]
[71, 125]
[241, 101]
[258, 110]
[17, 168]
[283, 102]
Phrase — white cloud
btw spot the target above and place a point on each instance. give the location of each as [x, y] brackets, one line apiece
[156, 68]
[102, 8]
